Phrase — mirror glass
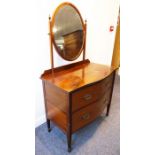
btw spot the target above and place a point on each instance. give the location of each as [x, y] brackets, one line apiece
[68, 32]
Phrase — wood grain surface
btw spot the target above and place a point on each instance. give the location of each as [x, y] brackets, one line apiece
[72, 77]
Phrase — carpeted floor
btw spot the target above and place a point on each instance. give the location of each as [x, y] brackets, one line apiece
[102, 137]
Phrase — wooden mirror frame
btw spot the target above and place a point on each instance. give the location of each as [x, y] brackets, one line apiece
[51, 34]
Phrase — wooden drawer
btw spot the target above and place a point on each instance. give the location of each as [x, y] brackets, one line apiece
[90, 94]
[85, 96]
[88, 114]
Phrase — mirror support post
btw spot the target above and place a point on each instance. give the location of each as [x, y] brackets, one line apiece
[51, 45]
[85, 30]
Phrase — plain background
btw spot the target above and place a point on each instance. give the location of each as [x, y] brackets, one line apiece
[18, 54]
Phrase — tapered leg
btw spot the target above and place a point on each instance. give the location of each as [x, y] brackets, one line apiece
[108, 106]
[69, 141]
[48, 125]
[108, 109]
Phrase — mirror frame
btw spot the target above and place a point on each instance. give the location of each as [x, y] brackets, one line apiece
[52, 22]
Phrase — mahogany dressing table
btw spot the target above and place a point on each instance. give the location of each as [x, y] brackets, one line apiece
[74, 94]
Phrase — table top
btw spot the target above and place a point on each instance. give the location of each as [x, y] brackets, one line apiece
[77, 75]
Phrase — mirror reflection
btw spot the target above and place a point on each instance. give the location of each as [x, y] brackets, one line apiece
[68, 32]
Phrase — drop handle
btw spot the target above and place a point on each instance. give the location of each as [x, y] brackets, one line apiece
[87, 97]
[86, 116]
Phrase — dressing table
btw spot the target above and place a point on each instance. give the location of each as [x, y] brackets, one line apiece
[74, 94]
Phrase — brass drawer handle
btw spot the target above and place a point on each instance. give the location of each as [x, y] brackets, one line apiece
[87, 97]
[86, 116]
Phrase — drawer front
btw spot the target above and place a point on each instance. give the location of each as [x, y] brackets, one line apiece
[107, 83]
[90, 94]
[88, 114]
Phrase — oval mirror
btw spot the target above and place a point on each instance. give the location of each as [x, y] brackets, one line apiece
[68, 31]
